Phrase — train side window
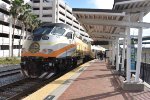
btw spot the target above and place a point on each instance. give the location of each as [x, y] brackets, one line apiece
[58, 31]
[69, 35]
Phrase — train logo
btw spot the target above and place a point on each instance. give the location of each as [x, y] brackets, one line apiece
[34, 47]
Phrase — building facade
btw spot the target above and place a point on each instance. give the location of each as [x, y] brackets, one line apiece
[54, 11]
[6, 31]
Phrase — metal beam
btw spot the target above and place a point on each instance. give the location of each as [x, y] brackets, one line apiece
[114, 23]
[108, 34]
[102, 39]
[144, 9]
[99, 13]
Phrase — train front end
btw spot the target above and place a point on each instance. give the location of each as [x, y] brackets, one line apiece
[39, 56]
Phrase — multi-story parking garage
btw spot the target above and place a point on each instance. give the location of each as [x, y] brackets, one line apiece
[55, 11]
[5, 31]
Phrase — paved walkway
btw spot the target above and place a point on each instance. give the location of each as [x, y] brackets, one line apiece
[98, 82]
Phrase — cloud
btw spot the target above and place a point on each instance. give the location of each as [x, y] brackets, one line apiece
[102, 4]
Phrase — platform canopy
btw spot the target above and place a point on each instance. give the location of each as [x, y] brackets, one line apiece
[107, 25]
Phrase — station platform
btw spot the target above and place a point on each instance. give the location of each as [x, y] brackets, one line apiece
[93, 80]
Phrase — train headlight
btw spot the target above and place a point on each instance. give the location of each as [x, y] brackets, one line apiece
[47, 51]
[45, 37]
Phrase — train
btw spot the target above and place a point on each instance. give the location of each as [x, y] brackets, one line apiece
[53, 48]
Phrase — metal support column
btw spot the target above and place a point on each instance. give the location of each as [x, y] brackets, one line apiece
[117, 54]
[139, 49]
[113, 53]
[123, 54]
[110, 51]
[128, 55]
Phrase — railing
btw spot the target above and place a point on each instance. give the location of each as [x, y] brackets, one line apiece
[144, 72]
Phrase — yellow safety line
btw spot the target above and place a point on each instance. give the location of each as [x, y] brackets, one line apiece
[46, 90]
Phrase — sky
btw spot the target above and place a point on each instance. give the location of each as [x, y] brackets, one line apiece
[101, 4]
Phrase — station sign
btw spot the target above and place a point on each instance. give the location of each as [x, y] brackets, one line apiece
[133, 55]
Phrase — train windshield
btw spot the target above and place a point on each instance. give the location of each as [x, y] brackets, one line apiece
[58, 31]
[42, 30]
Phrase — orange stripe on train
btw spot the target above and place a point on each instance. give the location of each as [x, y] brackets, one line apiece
[52, 54]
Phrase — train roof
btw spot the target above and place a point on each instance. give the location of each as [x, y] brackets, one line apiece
[57, 24]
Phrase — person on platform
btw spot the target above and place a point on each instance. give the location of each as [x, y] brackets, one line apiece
[101, 55]
[105, 55]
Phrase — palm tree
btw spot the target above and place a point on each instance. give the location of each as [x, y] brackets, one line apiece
[29, 21]
[22, 11]
[26, 9]
[34, 23]
[15, 10]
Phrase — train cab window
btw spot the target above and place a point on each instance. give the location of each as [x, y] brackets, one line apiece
[58, 31]
[42, 30]
[69, 35]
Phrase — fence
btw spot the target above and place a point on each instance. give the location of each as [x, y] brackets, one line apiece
[144, 71]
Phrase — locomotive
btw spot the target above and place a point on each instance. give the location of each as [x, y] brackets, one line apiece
[53, 48]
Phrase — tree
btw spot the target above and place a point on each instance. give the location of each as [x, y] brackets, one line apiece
[29, 21]
[15, 10]
[34, 22]
[26, 9]
[21, 11]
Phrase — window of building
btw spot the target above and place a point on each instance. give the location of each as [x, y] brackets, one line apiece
[69, 23]
[61, 13]
[69, 17]
[47, 8]
[69, 12]
[4, 35]
[48, 15]
[36, 8]
[61, 20]
[61, 6]
[4, 47]
[82, 30]
[46, 0]
[76, 22]
[36, 1]
[75, 27]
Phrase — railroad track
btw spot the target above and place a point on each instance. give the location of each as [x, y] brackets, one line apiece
[9, 72]
[24, 87]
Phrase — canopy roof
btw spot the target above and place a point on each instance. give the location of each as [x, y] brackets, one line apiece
[107, 25]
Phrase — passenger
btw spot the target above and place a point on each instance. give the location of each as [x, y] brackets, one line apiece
[98, 55]
[101, 55]
[105, 55]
